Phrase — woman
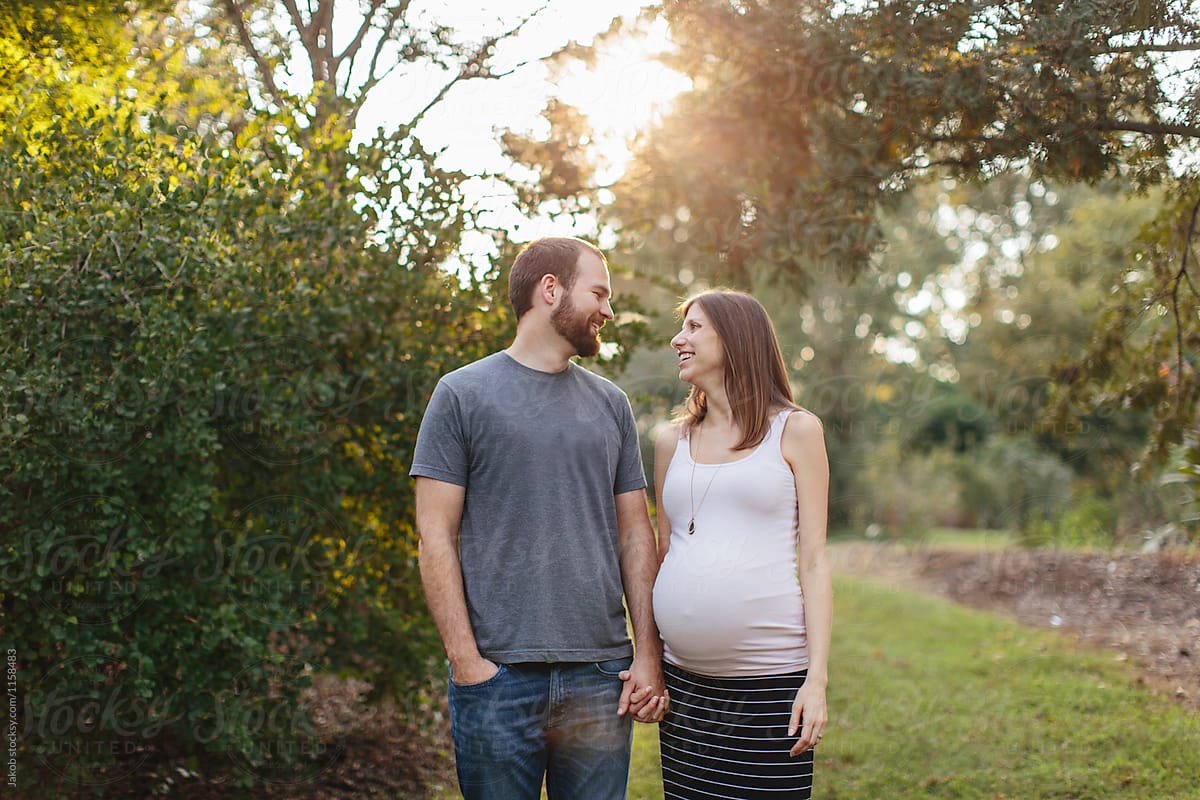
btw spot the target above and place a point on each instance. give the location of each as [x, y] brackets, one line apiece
[743, 596]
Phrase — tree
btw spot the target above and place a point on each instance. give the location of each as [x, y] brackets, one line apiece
[1020, 272]
[384, 36]
[221, 323]
[215, 355]
[809, 119]
[807, 114]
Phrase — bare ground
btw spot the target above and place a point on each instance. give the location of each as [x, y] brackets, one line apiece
[356, 751]
[1142, 607]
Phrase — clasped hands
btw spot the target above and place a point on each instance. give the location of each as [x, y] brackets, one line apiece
[639, 697]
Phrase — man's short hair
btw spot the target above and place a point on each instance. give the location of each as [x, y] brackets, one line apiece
[550, 255]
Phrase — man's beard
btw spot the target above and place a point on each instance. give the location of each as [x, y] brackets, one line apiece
[575, 328]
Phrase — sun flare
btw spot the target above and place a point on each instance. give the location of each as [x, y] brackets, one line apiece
[625, 92]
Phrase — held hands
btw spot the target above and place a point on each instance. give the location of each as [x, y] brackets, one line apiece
[809, 715]
[638, 695]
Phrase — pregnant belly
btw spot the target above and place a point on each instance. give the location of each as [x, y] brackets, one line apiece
[713, 618]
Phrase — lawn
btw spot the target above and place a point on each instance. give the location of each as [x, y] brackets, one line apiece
[930, 700]
[963, 539]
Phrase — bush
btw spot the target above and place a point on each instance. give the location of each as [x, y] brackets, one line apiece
[1001, 484]
[212, 366]
[907, 500]
[1010, 481]
[1089, 521]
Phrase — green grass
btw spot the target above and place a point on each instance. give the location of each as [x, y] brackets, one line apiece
[645, 781]
[958, 538]
[964, 539]
[930, 700]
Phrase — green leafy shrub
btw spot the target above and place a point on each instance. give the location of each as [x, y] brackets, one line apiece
[1011, 480]
[1088, 521]
[213, 360]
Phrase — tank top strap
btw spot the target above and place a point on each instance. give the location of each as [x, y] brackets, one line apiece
[775, 433]
[683, 445]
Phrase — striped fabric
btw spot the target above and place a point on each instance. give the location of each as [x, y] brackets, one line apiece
[727, 738]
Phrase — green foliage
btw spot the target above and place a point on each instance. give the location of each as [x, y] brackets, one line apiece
[1142, 356]
[1089, 521]
[1185, 471]
[213, 361]
[82, 33]
[902, 493]
[810, 123]
[953, 421]
[808, 117]
[1011, 482]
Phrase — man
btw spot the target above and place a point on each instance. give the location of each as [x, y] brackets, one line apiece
[533, 524]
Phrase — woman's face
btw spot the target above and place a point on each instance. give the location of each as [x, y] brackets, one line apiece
[701, 354]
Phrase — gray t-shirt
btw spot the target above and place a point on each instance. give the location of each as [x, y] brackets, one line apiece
[541, 456]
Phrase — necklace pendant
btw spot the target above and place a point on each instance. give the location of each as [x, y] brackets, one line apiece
[692, 525]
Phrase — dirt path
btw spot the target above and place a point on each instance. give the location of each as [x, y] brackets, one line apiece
[1145, 607]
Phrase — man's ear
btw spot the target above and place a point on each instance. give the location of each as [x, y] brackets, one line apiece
[549, 288]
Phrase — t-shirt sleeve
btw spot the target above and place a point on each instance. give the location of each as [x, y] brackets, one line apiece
[441, 451]
[630, 475]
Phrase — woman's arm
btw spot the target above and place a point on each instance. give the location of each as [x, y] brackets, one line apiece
[664, 450]
[804, 449]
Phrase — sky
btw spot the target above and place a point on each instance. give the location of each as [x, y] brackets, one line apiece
[625, 92]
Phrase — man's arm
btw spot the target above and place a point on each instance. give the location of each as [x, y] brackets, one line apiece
[439, 512]
[643, 693]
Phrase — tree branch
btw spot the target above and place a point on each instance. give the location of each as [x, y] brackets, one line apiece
[308, 34]
[474, 66]
[1187, 249]
[294, 12]
[394, 15]
[1174, 47]
[351, 50]
[234, 11]
[1181, 276]
[1155, 128]
[322, 27]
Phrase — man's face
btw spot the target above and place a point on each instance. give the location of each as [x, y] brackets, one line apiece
[582, 312]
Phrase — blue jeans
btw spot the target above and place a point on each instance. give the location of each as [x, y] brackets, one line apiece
[533, 720]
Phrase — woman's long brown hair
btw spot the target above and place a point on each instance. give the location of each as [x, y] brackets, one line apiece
[755, 376]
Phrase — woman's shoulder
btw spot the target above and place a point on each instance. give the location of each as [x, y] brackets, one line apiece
[668, 433]
[666, 442]
[801, 425]
[803, 444]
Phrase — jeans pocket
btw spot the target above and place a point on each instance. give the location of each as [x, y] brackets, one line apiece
[500, 670]
[613, 667]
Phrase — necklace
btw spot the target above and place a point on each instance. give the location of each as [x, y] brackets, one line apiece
[692, 486]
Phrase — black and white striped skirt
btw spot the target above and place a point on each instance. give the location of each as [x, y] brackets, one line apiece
[727, 738]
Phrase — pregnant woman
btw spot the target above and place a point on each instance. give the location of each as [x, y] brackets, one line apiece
[743, 597]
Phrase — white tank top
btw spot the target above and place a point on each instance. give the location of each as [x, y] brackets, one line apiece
[727, 600]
